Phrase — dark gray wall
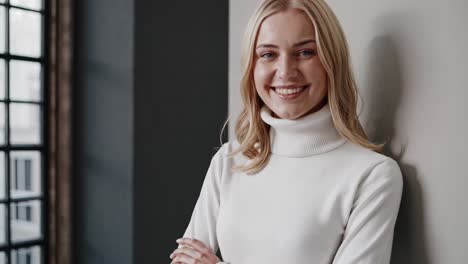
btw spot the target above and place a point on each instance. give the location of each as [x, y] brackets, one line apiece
[104, 129]
[181, 54]
[150, 100]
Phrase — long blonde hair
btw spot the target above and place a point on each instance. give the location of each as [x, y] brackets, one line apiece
[251, 132]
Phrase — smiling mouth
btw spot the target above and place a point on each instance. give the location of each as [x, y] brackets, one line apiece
[290, 91]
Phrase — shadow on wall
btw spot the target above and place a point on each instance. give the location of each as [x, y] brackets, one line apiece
[385, 85]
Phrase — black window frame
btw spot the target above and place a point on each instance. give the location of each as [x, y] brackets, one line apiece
[42, 242]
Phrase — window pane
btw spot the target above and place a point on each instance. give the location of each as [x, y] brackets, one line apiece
[25, 33]
[32, 4]
[2, 176]
[25, 80]
[25, 220]
[30, 255]
[3, 259]
[2, 29]
[2, 124]
[24, 123]
[2, 80]
[2, 225]
[25, 173]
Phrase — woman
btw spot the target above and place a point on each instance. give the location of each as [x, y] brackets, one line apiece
[302, 183]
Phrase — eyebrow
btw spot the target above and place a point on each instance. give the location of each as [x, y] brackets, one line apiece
[295, 45]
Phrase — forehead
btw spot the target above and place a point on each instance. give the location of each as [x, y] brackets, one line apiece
[286, 27]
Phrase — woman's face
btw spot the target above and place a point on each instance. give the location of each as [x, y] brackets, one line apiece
[288, 74]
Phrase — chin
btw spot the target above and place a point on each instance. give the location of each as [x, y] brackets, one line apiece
[289, 114]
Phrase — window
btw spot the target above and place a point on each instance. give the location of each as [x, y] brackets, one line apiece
[23, 61]
[23, 213]
[22, 174]
[23, 256]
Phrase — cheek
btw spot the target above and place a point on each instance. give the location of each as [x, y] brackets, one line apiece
[261, 76]
[315, 73]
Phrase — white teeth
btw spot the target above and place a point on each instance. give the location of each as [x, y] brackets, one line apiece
[288, 91]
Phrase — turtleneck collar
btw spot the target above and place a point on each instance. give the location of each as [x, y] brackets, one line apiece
[309, 135]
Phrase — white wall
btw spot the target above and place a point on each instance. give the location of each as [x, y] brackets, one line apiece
[239, 13]
[411, 64]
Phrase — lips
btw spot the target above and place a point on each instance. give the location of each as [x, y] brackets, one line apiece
[290, 91]
[287, 91]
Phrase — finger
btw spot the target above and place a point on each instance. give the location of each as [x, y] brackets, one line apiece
[184, 259]
[188, 251]
[196, 244]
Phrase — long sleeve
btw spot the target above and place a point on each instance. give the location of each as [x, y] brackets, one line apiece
[202, 225]
[368, 236]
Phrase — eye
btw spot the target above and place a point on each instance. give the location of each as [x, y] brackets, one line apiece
[307, 53]
[267, 55]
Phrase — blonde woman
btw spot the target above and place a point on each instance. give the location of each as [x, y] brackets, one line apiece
[302, 183]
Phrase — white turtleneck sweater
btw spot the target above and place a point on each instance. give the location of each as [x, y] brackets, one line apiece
[320, 199]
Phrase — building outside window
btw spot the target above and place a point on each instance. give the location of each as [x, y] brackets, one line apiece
[22, 174]
[23, 213]
[24, 256]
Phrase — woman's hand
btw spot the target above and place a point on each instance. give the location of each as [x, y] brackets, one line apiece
[193, 251]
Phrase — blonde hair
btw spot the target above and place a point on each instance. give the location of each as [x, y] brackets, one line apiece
[251, 132]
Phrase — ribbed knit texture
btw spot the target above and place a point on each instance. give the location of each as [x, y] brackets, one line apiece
[309, 135]
[320, 199]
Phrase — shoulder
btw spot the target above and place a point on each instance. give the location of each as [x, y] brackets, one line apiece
[365, 169]
[377, 170]
[222, 162]
[224, 151]
[229, 146]
[359, 156]
[224, 155]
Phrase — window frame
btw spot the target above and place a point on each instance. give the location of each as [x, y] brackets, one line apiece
[43, 147]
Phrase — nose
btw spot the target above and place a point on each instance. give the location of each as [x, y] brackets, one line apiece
[287, 69]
